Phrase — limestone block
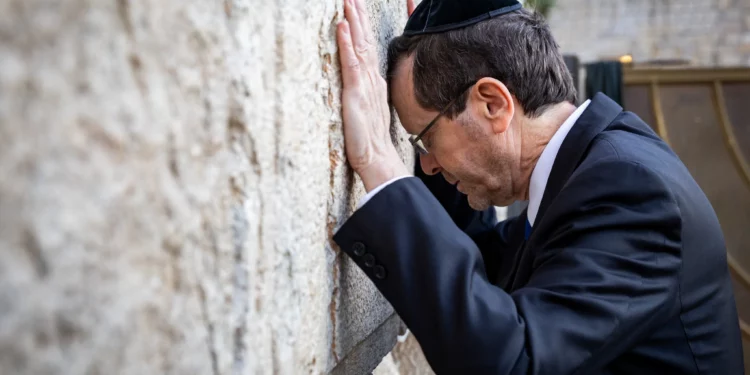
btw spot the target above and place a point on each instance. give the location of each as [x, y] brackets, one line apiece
[172, 174]
[409, 359]
[387, 367]
[687, 29]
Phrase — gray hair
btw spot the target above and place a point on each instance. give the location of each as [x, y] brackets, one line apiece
[517, 49]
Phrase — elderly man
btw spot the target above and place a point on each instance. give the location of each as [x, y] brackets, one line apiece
[617, 267]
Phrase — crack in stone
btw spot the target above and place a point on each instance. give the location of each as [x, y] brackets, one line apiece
[209, 329]
[328, 67]
[240, 303]
[333, 305]
[238, 133]
[274, 355]
[228, 8]
[123, 11]
[34, 250]
[136, 66]
[278, 76]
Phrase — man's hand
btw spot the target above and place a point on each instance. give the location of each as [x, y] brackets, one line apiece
[410, 6]
[365, 104]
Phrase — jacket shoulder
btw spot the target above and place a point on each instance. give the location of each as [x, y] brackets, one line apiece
[630, 139]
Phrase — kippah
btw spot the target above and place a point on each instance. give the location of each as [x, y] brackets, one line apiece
[435, 16]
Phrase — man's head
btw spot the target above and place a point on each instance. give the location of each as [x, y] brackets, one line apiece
[500, 76]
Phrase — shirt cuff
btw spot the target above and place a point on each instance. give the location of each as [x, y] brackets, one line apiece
[372, 193]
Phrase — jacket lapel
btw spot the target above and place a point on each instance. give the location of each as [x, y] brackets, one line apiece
[600, 113]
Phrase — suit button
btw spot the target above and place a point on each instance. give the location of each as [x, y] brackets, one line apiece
[369, 260]
[379, 272]
[358, 248]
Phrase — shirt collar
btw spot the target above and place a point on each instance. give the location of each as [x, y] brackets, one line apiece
[543, 167]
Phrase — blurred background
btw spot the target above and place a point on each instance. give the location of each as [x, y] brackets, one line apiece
[172, 172]
[684, 67]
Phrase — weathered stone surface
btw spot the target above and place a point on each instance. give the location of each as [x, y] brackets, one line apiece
[706, 33]
[369, 352]
[172, 173]
[408, 357]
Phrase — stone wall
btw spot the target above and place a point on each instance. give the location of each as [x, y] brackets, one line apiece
[172, 173]
[704, 32]
[405, 359]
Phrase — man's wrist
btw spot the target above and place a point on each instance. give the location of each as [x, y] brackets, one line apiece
[377, 174]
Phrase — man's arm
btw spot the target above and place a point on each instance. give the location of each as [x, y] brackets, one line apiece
[606, 276]
[366, 118]
[497, 242]
[467, 219]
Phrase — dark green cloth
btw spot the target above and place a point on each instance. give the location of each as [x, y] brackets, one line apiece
[605, 77]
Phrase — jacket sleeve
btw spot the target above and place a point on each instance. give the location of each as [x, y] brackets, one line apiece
[496, 241]
[603, 278]
[467, 219]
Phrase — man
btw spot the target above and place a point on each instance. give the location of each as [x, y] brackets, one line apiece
[617, 267]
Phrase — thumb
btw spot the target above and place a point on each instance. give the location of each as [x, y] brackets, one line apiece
[410, 7]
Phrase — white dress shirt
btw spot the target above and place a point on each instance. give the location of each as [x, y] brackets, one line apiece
[539, 175]
[543, 168]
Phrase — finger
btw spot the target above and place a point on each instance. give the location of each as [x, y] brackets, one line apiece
[410, 6]
[364, 20]
[355, 25]
[370, 54]
[347, 56]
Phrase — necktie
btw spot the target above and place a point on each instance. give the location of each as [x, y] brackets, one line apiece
[528, 230]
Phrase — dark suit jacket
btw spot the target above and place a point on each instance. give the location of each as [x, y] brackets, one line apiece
[625, 271]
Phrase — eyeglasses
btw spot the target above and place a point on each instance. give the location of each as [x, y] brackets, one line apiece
[416, 140]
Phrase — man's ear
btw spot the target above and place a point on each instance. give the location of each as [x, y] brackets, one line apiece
[495, 103]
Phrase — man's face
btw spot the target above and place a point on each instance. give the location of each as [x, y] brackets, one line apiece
[468, 150]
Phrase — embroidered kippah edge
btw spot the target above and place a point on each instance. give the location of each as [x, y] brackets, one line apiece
[507, 9]
[427, 21]
[468, 22]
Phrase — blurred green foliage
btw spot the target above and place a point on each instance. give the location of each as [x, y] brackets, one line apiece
[541, 6]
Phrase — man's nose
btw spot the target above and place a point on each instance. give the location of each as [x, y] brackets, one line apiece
[430, 165]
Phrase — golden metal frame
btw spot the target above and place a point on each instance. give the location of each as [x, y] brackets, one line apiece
[744, 279]
[642, 76]
[745, 329]
[744, 170]
[728, 130]
[656, 76]
[661, 126]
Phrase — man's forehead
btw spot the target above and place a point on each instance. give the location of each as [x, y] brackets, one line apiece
[402, 81]
[412, 116]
